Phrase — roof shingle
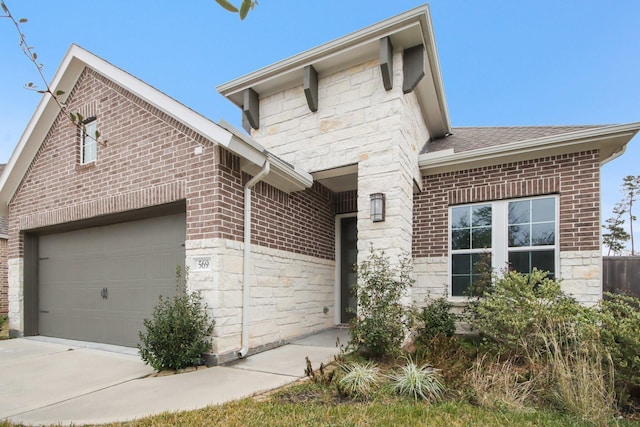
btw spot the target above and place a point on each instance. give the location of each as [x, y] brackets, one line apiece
[474, 138]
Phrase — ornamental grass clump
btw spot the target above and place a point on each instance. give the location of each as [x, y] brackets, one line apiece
[420, 382]
[358, 380]
[179, 330]
[579, 374]
[499, 384]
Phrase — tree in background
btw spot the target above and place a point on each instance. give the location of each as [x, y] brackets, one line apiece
[631, 190]
[615, 237]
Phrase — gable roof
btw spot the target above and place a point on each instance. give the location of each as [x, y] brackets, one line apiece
[283, 175]
[469, 147]
[406, 30]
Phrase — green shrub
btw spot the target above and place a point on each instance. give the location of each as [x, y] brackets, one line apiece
[3, 321]
[178, 332]
[379, 327]
[518, 306]
[419, 382]
[435, 319]
[621, 336]
[358, 379]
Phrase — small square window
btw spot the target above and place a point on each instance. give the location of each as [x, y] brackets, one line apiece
[88, 142]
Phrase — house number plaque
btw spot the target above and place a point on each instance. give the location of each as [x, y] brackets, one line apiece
[201, 264]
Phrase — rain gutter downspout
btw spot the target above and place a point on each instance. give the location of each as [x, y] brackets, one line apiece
[247, 257]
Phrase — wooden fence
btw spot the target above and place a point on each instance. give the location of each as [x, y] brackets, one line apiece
[621, 274]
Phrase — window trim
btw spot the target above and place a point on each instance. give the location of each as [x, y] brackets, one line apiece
[499, 250]
[84, 135]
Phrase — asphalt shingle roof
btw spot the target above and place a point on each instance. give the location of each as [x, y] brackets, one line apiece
[474, 138]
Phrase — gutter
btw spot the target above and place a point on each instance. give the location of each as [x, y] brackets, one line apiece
[246, 300]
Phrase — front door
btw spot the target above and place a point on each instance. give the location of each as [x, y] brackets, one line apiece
[348, 262]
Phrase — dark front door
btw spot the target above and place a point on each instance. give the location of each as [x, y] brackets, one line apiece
[348, 262]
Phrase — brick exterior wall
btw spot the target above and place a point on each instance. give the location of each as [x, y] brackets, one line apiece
[4, 284]
[576, 177]
[302, 222]
[149, 160]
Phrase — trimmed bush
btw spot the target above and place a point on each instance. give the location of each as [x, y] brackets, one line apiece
[379, 328]
[435, 319]
[178, 332]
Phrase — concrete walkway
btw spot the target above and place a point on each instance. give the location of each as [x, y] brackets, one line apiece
[63, 382]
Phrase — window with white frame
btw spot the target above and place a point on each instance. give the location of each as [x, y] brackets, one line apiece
[88, 142]
[517, 234]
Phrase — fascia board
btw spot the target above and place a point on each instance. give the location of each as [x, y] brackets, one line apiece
[430, 90]
[355, 39]
[153, 96]
[291, 173]
[35, 131]
[443, 124]
[542, 146]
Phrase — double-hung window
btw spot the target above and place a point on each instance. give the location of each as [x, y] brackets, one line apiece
[532, 235]
[471, 240]
[88, 142]
[517, 234]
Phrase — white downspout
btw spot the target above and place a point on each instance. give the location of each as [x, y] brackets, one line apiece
[247, 257]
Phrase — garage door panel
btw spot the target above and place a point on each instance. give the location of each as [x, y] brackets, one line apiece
[134, 261]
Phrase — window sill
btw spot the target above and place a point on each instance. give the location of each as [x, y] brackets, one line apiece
[85, 166]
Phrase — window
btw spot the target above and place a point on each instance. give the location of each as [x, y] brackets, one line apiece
[88, 143]
[470, 243]
[519, 234]
[532, 235]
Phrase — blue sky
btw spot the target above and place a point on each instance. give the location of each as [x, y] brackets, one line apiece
[544, 62]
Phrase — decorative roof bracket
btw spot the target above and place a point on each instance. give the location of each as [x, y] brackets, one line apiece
[250, 110]
[386, 62]
[310, 85]
[413, 68]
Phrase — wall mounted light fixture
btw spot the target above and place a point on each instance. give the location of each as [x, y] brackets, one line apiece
[377, 207]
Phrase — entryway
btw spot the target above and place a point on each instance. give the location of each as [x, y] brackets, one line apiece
[348, 257]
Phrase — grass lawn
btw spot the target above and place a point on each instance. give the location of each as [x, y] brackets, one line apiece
[310, 404]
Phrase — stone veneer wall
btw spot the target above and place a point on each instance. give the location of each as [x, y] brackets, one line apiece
[357, 122]
[575, 177]
[291, 294]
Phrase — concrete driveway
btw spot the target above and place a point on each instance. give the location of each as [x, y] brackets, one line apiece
[44, 381]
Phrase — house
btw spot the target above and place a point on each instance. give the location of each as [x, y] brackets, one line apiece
[4, 308]
[349, 147]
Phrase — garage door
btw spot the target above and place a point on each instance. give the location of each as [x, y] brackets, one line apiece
[98, 284]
